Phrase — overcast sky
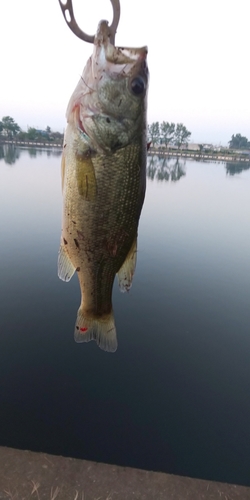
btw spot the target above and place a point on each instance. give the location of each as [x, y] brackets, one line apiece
[198, 61]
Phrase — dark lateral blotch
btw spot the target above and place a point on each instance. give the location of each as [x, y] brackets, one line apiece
[76, 243]
[65, 241]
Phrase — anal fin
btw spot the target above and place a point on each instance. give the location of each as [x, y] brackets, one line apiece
[126, 272]
[65, 266]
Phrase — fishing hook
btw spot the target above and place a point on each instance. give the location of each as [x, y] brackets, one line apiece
[67, 9]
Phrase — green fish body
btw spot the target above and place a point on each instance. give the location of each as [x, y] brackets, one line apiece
[103, 182]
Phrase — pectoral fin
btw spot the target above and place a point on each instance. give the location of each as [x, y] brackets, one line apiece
[65, 266]
[126, 272]
[86, 181]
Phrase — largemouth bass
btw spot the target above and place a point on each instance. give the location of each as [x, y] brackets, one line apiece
[103, 182]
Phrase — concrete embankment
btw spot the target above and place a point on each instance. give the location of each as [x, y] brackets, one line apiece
[26, 475]
[200, 156]
[213, 156]
[33, 144]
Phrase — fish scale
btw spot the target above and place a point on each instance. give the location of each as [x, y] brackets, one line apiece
[121, 189]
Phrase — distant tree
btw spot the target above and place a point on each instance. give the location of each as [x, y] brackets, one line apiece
[32, 133]
[1, 127]
[22, 136]
[167, 132]
[57, 135]
[10, 126]
[154, 133]
[200, 147]
[239, 142]
[48, 130]
[182, 135]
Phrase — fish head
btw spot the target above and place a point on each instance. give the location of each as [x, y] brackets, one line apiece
[109, 103]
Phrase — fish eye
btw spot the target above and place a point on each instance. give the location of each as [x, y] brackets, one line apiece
[137, 85]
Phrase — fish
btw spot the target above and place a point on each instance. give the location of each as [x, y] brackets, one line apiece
[103, 182]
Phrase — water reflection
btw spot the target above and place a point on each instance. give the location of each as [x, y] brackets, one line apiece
[175, 397]
[32, 152]
[233, 168]
[165, 169]
[11, 153]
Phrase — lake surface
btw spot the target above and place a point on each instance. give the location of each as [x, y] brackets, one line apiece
[175, 397]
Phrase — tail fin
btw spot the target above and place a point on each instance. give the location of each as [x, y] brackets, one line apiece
[102, 330]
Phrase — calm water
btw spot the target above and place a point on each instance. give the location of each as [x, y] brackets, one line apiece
[175, 397]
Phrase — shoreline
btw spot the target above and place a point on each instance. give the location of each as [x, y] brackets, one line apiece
[200, 155]
[33, 144]
[29, 474]
[152, 151]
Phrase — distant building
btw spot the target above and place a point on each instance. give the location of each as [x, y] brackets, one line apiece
[243, 151]
[41, 132]
[220, 148]
[193, 147]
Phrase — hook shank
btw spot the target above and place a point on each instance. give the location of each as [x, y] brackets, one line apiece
[67, 10]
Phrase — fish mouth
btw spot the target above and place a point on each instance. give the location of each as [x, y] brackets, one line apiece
[105, 53]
